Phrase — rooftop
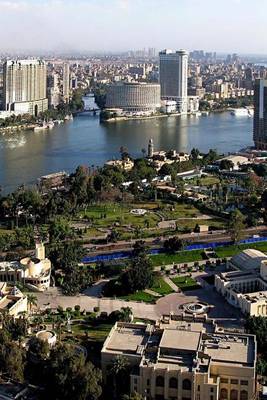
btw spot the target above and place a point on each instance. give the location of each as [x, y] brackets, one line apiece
[180, 340]
[248, 259]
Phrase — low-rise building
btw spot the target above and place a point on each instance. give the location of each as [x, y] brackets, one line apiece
[172, 361]
[12, 300]
[126, 164]
[246, 286]
[34, 272]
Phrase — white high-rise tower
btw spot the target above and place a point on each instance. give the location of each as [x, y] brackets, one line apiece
[173, 69]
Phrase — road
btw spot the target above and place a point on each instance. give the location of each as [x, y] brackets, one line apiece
[217, 236]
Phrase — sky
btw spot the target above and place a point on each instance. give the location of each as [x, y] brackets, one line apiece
[120, 25]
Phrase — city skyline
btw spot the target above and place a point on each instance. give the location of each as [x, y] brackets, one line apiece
[120, 25]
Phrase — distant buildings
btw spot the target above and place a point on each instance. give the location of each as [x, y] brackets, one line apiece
[135, 97]
[126, 165]
[260, 115]
[12, 300]
[183, 360]
[34, 272]
[173, 69]
[24, 87]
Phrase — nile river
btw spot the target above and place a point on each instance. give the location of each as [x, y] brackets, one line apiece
[25, 156]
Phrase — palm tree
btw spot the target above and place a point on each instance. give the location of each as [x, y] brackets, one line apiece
[119, 366]
[32, 301]
[126, 314]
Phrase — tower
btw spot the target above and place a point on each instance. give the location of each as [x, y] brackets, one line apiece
[260, 114]
[150, 149]
[173, 69]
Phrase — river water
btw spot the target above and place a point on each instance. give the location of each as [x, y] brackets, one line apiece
[27, 155]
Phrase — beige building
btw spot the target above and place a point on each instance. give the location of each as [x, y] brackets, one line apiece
[34, 272]
[12, 300]
[126, 165]
[25, 86]
[245, 287]
[183, 361]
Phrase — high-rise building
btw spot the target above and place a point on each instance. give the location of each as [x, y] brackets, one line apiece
[134, 97]
[66, 82]
[150, 148]
[260, 114]
[173, 69]
[25, 86]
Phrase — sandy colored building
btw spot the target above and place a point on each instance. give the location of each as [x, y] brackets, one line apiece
[185, 361]
[245, 286]
[12, 300]
[34, 272]
[126, 165]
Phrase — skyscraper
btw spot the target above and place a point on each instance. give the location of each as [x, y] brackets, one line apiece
[25, 86]
[260, 114]
[173, 69]
[66, 82]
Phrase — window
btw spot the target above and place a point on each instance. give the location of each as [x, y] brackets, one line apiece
[186, 384]
[234, 394]
[243, 395]
[224, 394]
[244, 383]
[234, 382]
[173, 383]
[224, 380]
[160, 381]
[198, 388]
[148, 382]
[211, 397]
[212, 390]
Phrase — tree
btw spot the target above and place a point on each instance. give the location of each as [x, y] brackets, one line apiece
[71, 377]
[133, 396]
[226, 164]
[139, 275]
[32, 301]
[119, 374]
[173, 244]
[236, 225]
[195, 154]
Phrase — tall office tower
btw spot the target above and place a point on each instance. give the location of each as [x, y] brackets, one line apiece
[53, 90]
[173, 69]
[150, 148]
[25, 86]
[66, 82]
[260, 114]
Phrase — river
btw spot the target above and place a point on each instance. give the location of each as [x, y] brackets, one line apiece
[27, 155]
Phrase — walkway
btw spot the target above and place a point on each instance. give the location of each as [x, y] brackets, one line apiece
[171, 284]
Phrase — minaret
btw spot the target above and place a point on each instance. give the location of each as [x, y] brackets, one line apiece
[150, 149]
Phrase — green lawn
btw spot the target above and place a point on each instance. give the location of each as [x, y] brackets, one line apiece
[230, 251]
[185, 282]
[139, 296]
[180, 211]
[177, 258]
[94, 331]
[161, 287]
[109, 214]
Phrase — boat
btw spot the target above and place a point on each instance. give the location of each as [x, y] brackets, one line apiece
[240, 112]
[205, 113]
[50, 125]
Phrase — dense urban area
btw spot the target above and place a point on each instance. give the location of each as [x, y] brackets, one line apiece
[145, 277]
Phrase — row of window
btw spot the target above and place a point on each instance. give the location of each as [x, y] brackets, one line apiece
[173, 383]
[234, 381]
[224, 394]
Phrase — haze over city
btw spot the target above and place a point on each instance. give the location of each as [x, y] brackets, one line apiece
[120, 25]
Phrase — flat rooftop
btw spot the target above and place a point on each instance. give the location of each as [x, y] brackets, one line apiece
[236, 349]
[180, 340]
[127, 339]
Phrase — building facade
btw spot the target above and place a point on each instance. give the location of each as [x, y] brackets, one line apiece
[25, 84]
[173, 70]
[245, 286]
[134, 97]
[66, 82]
[260, 114]
[183, 361]
[34, 272]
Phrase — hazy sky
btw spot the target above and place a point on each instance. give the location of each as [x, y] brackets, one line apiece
[222, 25]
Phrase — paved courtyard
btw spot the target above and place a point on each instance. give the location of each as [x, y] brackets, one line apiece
[219, 310]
